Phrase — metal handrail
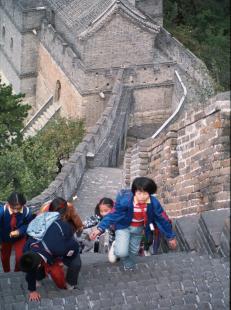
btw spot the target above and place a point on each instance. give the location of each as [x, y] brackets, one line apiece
[177, 109]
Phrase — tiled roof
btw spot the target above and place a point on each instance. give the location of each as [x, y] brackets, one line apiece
[80, 15]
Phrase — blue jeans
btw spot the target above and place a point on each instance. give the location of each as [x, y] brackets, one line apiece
[127, 244]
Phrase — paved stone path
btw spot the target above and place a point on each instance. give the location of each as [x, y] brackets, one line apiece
[96, 184]
[171, 281]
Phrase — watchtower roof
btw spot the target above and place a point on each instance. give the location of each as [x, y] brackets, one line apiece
[79, 16]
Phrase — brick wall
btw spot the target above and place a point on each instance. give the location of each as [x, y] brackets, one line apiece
[19, 48]
[187, 61]
[152, 8]
[67, 182]
[190, 161]
[119, 41]
[152, 105]
[48, 75]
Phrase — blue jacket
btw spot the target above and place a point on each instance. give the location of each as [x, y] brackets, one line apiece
[123, 214]
[23, 219]
[58, 242]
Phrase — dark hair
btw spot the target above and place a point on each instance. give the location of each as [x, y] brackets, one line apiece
[29, 261]
[58, 205]
[16, 199]
[144, 184]
[104, 201]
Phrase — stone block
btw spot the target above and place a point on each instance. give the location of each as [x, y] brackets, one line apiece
[186, 228]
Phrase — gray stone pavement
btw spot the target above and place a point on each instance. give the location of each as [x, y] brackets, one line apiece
[170, 281]
[97, 183]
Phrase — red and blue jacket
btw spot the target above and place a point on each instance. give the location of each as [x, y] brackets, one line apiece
[23, 219]
[122, 215]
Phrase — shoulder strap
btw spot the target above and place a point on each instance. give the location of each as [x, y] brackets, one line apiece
[60, 228]
[27, 211]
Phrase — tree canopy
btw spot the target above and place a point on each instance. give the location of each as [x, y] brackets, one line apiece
[204, 28]
[12, 115]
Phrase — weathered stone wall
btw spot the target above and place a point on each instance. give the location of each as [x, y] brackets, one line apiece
[152, 105]
[190, 161]
[187, 61]
[67, 182]
[19, 46]
[48, 75]
[152, 8]
[118, 42]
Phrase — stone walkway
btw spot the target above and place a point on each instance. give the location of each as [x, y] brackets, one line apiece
[171, 281]
[96, 184]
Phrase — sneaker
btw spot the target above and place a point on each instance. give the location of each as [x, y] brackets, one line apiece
[147, 253]
[71, 287]
[111, 255]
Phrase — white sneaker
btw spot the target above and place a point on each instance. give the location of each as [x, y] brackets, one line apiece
[71, 287]
[147, 253]
[111, 254]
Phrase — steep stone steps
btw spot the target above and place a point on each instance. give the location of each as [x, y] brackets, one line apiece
[97, 183]
[207, 233]
[173, 281]
[41, 118]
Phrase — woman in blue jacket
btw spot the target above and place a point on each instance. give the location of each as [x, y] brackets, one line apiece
[14, 219]
[135, 211]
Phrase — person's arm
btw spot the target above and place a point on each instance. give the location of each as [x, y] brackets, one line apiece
[163, 223]
[27, 219]
[31, 281]
[118, 213]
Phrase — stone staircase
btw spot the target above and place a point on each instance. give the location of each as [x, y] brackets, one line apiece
[41, 118]
[178, 280]
[173, 281]
[207, 233]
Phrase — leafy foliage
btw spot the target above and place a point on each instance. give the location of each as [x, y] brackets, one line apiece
[33, 165]
[203, 27]
[12, 115]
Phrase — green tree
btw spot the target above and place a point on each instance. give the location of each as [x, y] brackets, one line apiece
[62, 136]
[32, 166]
[12, 115]
[204, 28]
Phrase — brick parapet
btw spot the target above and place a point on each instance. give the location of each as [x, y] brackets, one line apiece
[186, 60]
[66, 183]
[190, 161]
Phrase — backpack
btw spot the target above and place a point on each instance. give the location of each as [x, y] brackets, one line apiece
[39, 225]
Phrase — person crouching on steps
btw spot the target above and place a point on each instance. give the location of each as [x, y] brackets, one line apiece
[14, 219]
[42, 257]
[67, 211]
[135, 210]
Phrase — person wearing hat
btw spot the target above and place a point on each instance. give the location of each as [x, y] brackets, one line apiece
[41, 257]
